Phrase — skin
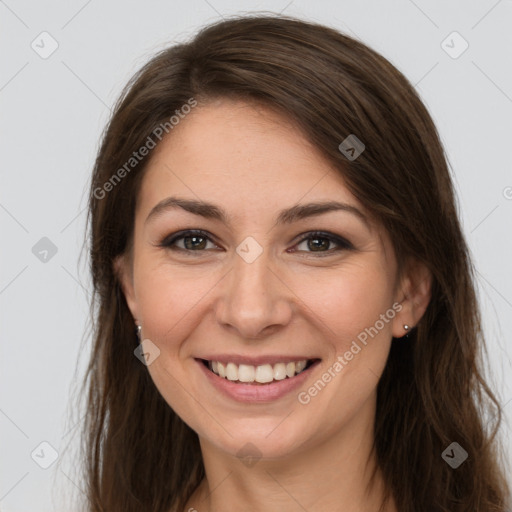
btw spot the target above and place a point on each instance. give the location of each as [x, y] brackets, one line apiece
[253, 163]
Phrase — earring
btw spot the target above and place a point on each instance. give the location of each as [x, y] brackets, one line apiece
[406, 327]
[138, 332]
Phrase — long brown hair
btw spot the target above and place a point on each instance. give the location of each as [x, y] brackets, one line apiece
[138, 454]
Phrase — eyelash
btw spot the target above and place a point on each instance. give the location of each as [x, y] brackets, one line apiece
[168, 241]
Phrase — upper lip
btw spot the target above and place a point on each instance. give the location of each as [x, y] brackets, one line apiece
[257, 360]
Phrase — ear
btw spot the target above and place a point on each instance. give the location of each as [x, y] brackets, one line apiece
[123, 269]
[413, 293]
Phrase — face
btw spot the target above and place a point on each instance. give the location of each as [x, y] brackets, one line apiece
[258, 288]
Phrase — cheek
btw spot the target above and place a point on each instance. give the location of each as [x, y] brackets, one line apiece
[348, 301]
[349, 305]
[170, 304]
[169, 299]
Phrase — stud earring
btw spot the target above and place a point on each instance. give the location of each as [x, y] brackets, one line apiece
[406, 327]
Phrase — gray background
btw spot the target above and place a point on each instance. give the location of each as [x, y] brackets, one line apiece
[53, 112]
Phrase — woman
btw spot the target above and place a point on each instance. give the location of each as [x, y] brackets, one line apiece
[272, 211]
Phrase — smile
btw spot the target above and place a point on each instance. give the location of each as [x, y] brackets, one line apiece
[262, 382]
[262, 374]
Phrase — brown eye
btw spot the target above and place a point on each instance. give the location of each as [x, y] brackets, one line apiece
[197, 241]
[319, 242]
[193, 241]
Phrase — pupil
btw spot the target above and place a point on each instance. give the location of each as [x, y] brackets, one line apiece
[194, 238]
[316, 246]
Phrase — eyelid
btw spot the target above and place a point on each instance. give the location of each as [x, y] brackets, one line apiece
[168, 240]
[341, 242]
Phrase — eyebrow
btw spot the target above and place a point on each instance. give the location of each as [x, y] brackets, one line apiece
[287, 216]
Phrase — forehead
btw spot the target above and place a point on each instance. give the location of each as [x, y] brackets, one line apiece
[243, 155]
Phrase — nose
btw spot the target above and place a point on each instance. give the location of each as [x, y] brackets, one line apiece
[254, 301]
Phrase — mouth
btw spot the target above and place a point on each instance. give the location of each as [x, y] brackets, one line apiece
[259, 375]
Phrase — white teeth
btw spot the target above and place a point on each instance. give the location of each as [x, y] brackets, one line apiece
[246, 373]
[231, 371]
[263, 374]
[279, 371]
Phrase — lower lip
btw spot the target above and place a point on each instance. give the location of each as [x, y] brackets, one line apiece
[247, 392]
